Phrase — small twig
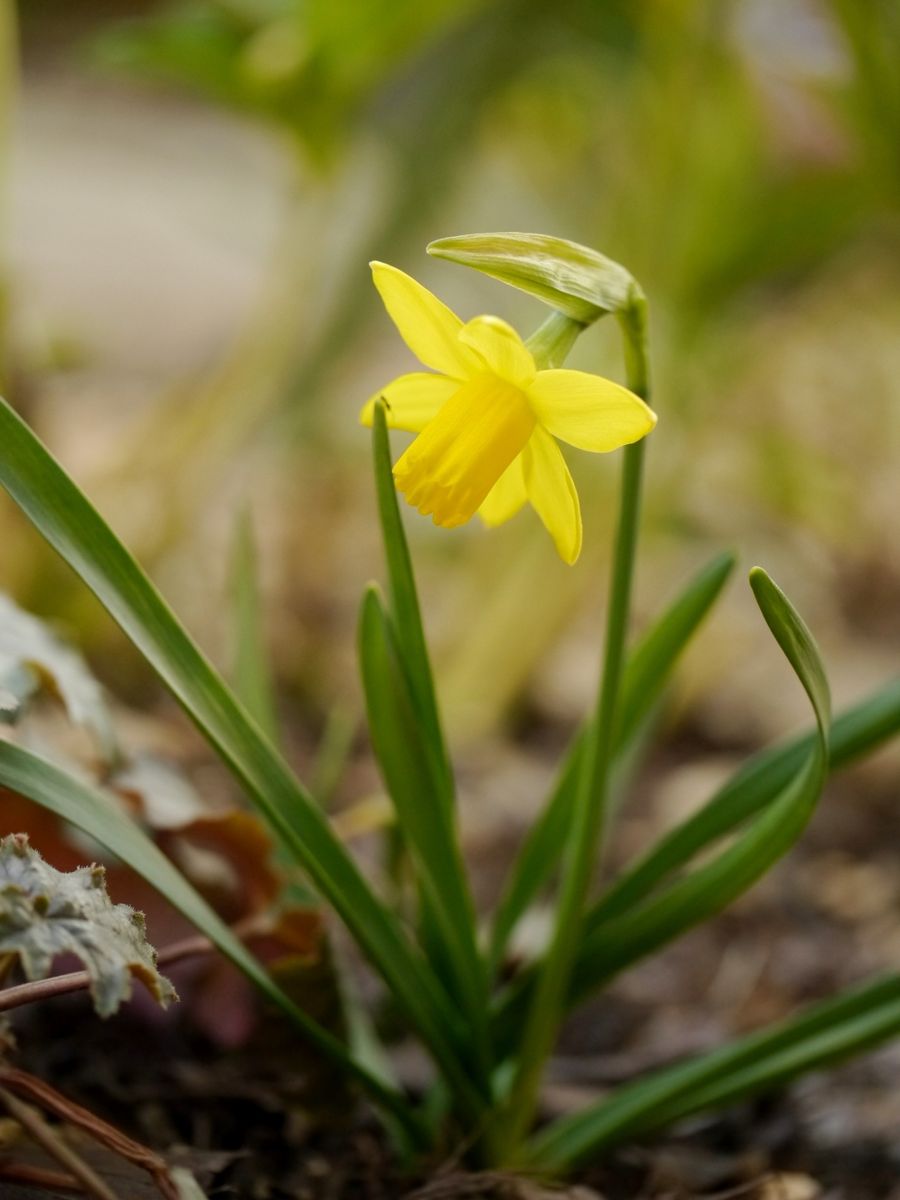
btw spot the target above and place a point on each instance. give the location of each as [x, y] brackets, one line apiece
[743, 1189]
[67, 1110]
[77, 981]
[41, 989]
[39, 1177]
[41, 1133]
[458, 1185]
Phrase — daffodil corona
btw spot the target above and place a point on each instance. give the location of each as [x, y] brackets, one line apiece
[487, 420]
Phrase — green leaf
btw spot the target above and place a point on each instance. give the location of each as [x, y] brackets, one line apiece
[573, 279]
[797, 643]
[404, 604]
[74, 528]
[33, 657]
[836, 1029]
[413, 778]
[653, 658]
[617, 943]
[251, 670]
[609, 947]
[855, 733]
[45, 913]
[332, 754]
[97, 814]
[647, 672]
[757, 1062]
[409, 742]
[539, 855]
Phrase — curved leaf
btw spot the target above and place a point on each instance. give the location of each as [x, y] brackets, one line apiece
[647, 672]
[404, 605]
[611, 946]
[706, 891]
[414, 781]
[74, 528]
[836, 1029]
[854, 733]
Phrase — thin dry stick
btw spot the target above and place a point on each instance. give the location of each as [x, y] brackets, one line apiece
[41, 1133]
[476, 1186]
[77, 981]
[67, 1110]
[39, 1177]
[747, 1189]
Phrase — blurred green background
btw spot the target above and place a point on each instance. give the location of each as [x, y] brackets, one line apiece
[192, 192]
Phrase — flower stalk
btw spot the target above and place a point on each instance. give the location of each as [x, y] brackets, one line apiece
[592, 795]
[551, 341]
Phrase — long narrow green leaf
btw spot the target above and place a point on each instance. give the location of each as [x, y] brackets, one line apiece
[413, 779]
[74, 528]
[647, 672]
[618, 943]
[447, 921]
[332, 754]
[251, 670]
[855, 733]
[97, 814]
[696, 896]
[404, 604]
[540, 853]
[836, 1029]
[650, 663]
[614, 945]
[799, 648]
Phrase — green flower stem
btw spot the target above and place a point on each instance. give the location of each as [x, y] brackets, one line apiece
[551, 342]
[591, 801]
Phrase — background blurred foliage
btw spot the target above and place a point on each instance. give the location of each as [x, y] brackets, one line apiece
[306, 68]
[742, 158]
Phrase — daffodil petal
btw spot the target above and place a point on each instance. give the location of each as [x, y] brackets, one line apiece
[588, 411]
[500, 348]
[411, 401]
[506, 497]
[458, 458]
[552, 493]
[427, 326]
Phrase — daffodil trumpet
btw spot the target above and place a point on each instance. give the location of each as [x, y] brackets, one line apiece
[488, 418]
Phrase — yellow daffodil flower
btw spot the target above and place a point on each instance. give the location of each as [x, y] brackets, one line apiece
[488, 420]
